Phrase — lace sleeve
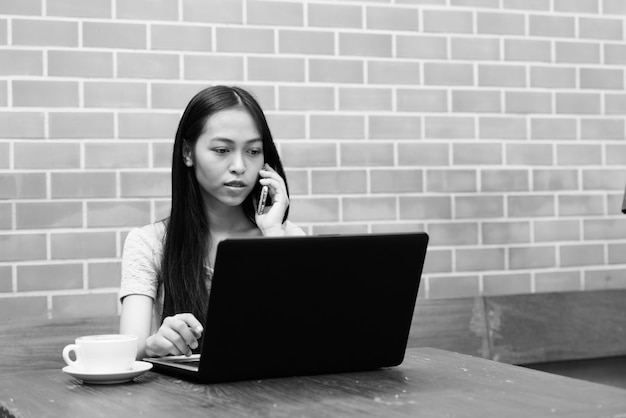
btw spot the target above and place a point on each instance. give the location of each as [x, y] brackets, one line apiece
[142, 252]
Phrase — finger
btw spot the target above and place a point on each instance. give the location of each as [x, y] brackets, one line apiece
[179, 333]
[192, 322]
[161, 346]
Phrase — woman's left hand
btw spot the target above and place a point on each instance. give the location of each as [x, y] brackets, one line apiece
[270, 222]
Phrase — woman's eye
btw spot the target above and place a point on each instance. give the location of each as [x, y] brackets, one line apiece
[220, 150]
[255, 151]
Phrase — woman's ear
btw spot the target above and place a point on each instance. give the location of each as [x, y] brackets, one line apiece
[187, 154]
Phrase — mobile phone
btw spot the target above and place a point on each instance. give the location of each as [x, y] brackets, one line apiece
[262, 200]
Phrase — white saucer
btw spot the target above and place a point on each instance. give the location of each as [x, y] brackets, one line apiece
[109, 378]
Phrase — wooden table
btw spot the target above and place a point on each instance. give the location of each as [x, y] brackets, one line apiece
[429, 383]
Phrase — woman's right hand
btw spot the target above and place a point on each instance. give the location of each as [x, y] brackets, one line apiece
[178, 335]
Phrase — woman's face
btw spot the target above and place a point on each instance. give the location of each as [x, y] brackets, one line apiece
[227, 157]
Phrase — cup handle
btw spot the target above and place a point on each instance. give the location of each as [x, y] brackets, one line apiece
[66, 354]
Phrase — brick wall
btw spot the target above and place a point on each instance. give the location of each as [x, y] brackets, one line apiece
[495, 125]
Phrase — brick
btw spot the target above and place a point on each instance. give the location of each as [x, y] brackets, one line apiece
[508, 232]
[553, 128]
[49, 215]
[504, 180]
[173, 95]
[79, 245]
[366, 154]
[605, 279]
[447, 21]
[615, 54]
[420, 46]
[538, 256]
[531, 205]
[181, 38]
[336, 70]
[457, 233]
[616, 154]
[275, 13]
[145, 184]
[601, 78]
[556, 230]
[334, 15]
[413, 100]
[87, 305]
[601, 28]
[480, 259]
[555, 180]
[365, 44]
[617, 253]
[306, 98]
[476, 101]
[603, 179]
[83, 185]
[553, 77]
[496, 23]
[578, 103]
[603, 229]
[392, 18]
[309, 154]
[476, 3]
[306, 42]
[577, 52]
[501, 75]
[44, 33]
[23, 7]
[506, 284]
[581, 255]
[579, 6]
[338, 181]
[475, 49]
[451, 180]
[358, 99]
[213, 67]
[6, 279]
[502, 127]
[236, 39]
[438, 261]
[449, 127]
[49, 277]
[27, 125]
[396, 227]
[161, 155]
[115, 35]
[22, 247]
[526, 102]
[527, 50]
[527, 4]
[529, 154]
[44, 93]
[116, 214]
[552, 26]
[6, 218]
[393, 72]
[147, 125]
[213, 11]
[579, 154]
[104, 274]
[318, 209]
[285, 126]
[448, 74]
[4, 94]
[337, 126]
[19, 308]
[298, 181]
[161, 210]
[147, 65]
[425, 207]
[116, 155]
[396, 180]
[561, 281]
[276, 69]
[340, 229]
[476, 154]
[79, 8]
[453, 287]
[21, 62]
[147, 9]
[614, 7]
[368, 208]
[603, 129]
[22, 185]
[478, 207]
[423, 154]
[115, 94]
[80, 64]
[394, 127]
[81, 125]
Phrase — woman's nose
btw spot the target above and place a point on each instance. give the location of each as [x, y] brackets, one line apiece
[237, 164]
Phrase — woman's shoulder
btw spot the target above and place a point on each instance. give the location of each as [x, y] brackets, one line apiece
[151, 234]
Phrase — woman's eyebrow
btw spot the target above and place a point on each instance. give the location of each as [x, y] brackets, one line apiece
[230, 141]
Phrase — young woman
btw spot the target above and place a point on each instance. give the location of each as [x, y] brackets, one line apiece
[223, 154]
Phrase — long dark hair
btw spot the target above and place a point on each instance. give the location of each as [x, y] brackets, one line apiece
[186, 241]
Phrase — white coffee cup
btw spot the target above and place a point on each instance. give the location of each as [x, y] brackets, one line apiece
[102, 353]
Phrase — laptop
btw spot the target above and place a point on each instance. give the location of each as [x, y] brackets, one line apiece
[306, 305]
